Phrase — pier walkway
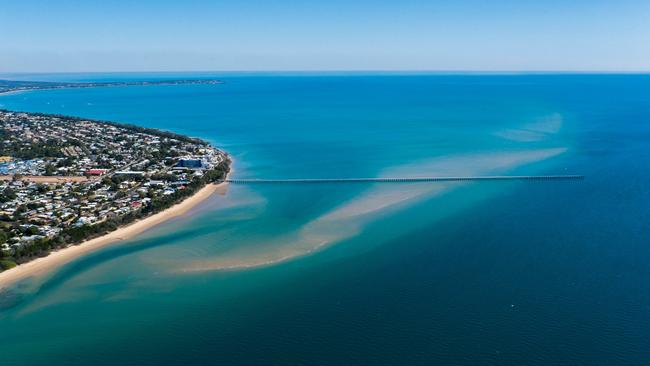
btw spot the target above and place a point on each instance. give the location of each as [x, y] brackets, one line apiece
[410, 179]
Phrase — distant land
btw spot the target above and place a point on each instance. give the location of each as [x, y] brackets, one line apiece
[7, 86]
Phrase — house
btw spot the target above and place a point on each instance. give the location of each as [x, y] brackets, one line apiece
[190, 163]
[97, 171]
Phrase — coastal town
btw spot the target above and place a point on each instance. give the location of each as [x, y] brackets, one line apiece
[64, 179]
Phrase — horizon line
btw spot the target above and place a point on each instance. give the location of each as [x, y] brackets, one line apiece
[348, 71]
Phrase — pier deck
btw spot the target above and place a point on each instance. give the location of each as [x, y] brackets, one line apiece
[409, 179]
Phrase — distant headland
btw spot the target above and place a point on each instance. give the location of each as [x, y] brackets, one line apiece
[10, 86]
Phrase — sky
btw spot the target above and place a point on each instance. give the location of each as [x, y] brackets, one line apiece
[325, 35]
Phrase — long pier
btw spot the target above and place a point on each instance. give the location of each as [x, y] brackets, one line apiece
[410, 179]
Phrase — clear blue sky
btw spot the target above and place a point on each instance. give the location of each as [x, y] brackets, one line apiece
[176, 35]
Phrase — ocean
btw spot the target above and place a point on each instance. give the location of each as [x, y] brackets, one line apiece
[496, 273]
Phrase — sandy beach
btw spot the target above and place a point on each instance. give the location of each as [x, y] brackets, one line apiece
[65, 255]
[10, 92]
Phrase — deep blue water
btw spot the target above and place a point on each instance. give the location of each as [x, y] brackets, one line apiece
[482, 273]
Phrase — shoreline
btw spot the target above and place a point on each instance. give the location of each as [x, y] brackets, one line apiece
[65, 255]
[10, 92]
[87, 85]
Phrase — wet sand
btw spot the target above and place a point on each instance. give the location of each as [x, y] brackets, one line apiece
[348, 219]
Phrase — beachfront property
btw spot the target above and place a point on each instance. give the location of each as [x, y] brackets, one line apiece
[64, 179]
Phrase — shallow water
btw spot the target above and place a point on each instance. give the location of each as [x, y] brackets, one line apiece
[490, 272]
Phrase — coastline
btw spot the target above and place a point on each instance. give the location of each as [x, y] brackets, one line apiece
[10, 92]
[65, 255]
[86, 85]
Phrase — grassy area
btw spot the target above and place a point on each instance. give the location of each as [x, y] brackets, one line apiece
[6, 264]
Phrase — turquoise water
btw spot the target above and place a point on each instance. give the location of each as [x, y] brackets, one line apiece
[480, 273]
